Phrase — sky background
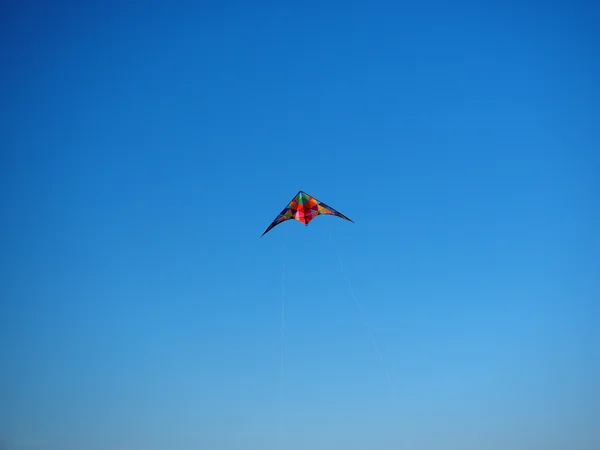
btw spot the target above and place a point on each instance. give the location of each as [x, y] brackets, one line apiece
[144, 148]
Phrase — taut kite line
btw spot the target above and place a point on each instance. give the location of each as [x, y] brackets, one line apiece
[304, 208]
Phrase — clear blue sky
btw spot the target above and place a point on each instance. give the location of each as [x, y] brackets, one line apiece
[144, 149]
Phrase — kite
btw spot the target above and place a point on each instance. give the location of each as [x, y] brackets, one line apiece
[304, 208]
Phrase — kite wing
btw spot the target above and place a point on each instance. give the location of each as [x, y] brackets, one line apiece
[304, 208]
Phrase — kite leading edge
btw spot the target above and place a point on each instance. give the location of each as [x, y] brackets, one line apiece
[304, 208]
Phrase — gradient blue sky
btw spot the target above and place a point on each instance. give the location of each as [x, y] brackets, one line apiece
[145, 148]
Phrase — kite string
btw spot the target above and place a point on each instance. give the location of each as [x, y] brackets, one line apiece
[361, 314]
[282, 380]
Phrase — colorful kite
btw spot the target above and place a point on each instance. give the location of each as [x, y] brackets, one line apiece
[304, 208]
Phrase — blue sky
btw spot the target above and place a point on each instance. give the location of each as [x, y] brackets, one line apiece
[145, 148]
